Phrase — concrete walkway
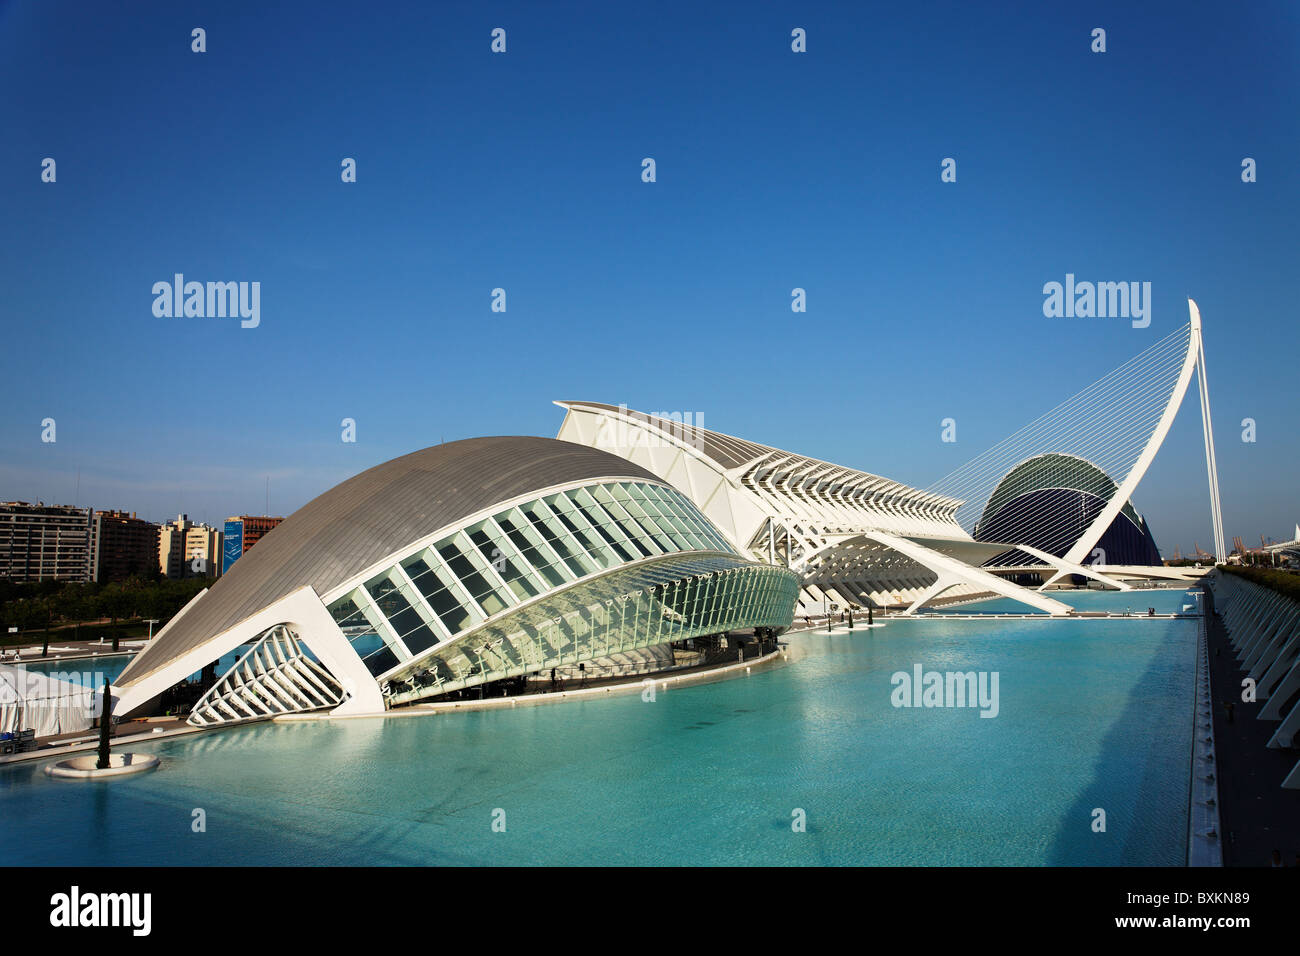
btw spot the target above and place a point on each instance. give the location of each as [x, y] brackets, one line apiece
[1256, 814]
[130, 732]
[68, 651]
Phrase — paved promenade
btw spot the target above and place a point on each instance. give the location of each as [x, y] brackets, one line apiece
[1256, 814]
[68, 650]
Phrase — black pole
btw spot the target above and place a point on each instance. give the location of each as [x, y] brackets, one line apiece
[105, 715]
[869, 620]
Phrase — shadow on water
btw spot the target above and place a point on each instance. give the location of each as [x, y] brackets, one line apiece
[1144, 832]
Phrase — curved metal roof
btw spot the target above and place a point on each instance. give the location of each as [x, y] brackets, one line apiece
[339, 534]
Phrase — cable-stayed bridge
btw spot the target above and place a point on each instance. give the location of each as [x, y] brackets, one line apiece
[1052, 492]
[1068, 476]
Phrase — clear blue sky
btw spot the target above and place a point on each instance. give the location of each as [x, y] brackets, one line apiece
[775, 170]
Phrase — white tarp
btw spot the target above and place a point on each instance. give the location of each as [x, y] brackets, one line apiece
[47, 703]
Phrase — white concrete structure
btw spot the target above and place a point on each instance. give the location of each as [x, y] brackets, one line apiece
[1287, 549]
[452, 567]
[87, 767]
[1263, 627]
[1115, 427]
[858, 538]
[852, 537]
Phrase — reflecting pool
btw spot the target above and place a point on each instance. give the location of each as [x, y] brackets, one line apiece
[1092, 714]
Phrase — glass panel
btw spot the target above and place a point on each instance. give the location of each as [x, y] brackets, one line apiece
[406, 621]
[367, 644]
[627, 525]
[687, 533]
[479, 587]
[380, 661]
[514, 524]
[366, 627]
[703, 529]
[685, 510]
[420, 639]
[625, 498]
[453, 613]
[421, 572]
[503, 558]
[580, 528]
[346, 614]
[667, 522]
[605, 525]
[609, 531]
[553, 533]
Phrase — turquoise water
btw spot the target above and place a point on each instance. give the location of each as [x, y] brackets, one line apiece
[106, 665]
[1093, 714]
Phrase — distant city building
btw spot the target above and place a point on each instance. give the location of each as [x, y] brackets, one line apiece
[242, 532]
[122, 545]
[171, 547]
[187, 550]
[43, 542]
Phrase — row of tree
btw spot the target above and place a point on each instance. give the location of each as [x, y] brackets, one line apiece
[1284, 582]
[53, 604]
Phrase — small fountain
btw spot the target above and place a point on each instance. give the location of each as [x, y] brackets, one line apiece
[104, 763]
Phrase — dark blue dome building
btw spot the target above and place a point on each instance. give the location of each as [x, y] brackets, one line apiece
[1048, 501]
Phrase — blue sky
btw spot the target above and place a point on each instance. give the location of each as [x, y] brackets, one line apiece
[775, 170]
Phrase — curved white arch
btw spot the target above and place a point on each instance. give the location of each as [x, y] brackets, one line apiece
[303, 611]
[1088, 540]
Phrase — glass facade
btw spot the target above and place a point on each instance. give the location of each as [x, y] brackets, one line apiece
[434, 593]
[644, 605]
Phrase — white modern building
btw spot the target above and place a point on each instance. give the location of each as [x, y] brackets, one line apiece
[494, 559]
[858, 538]
[851, 537]
[457, 566]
